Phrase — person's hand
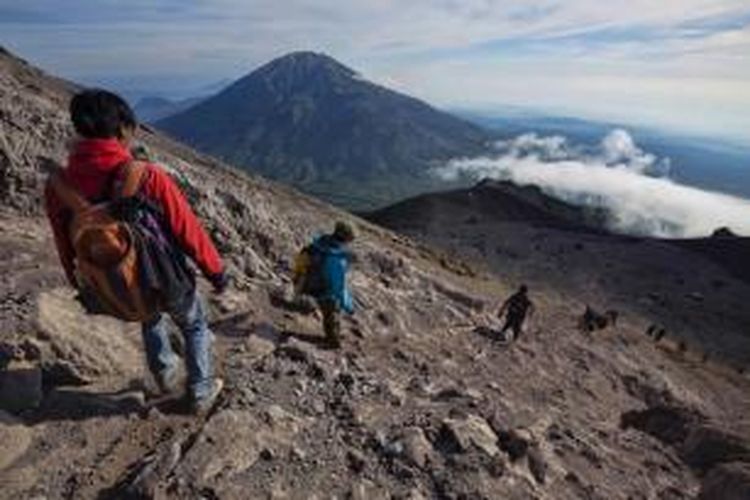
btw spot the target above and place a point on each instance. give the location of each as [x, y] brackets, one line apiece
[220, 282]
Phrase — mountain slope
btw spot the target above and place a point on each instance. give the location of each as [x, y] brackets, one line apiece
[308, 120]
[499, 201]
[416, 405]
[694, 288]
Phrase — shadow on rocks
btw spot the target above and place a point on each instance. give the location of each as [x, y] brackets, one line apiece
[76, 405]
[233, 326]
[303, 304]
[489, 333]
[316, 340]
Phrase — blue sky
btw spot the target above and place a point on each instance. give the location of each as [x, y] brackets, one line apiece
[682, 65]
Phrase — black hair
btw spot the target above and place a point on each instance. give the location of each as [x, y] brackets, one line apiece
[523, 289]
[100, 114]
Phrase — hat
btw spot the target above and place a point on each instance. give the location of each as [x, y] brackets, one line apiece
[343, 231]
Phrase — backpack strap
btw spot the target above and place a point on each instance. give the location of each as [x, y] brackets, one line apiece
[69, 196]
[130, 179]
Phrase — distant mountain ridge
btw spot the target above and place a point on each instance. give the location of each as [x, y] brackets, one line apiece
[502, 206]
[308, 120]
[499, 201]
[151, 109]
[457, 219]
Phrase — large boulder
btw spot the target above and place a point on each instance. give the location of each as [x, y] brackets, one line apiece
[417, 449]
[95, 345]
[472, 431]
[233, 441]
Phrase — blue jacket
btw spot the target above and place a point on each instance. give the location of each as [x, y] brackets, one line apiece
[335, 266]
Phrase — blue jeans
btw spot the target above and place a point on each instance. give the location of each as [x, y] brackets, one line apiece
[189, 315]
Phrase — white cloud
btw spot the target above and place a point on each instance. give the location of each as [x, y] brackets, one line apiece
[618, 148]
[617, 176]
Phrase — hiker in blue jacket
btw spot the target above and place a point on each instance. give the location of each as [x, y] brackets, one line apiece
[321, 270]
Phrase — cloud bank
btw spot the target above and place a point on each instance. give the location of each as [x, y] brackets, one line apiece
[617, 175]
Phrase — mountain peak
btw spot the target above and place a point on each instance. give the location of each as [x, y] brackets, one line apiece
[304, 57]
[305, 64]
[307, 119]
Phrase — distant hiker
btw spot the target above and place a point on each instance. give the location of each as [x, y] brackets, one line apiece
[592, 320]
[516, 308]
[320, 271]
[122, 230]
[656, 332]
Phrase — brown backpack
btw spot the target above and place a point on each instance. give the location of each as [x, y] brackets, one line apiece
[106, 251]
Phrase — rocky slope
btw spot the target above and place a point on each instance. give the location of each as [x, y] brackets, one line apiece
[693, 288]
[308, 120]
[418, 403]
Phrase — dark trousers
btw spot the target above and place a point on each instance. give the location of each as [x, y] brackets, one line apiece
[331, 320]
[514, 324]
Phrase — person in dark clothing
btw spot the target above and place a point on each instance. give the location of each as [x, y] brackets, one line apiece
[106, 126]
[515, 309]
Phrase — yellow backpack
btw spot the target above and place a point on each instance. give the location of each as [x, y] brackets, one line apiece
[300, 268]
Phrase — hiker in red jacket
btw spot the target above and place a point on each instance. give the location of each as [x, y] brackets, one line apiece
[106, 125]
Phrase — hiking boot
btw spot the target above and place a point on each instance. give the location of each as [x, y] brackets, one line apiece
[203, 405]
[168, 382]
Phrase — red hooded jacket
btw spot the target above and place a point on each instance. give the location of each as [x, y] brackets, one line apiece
[92, 168]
